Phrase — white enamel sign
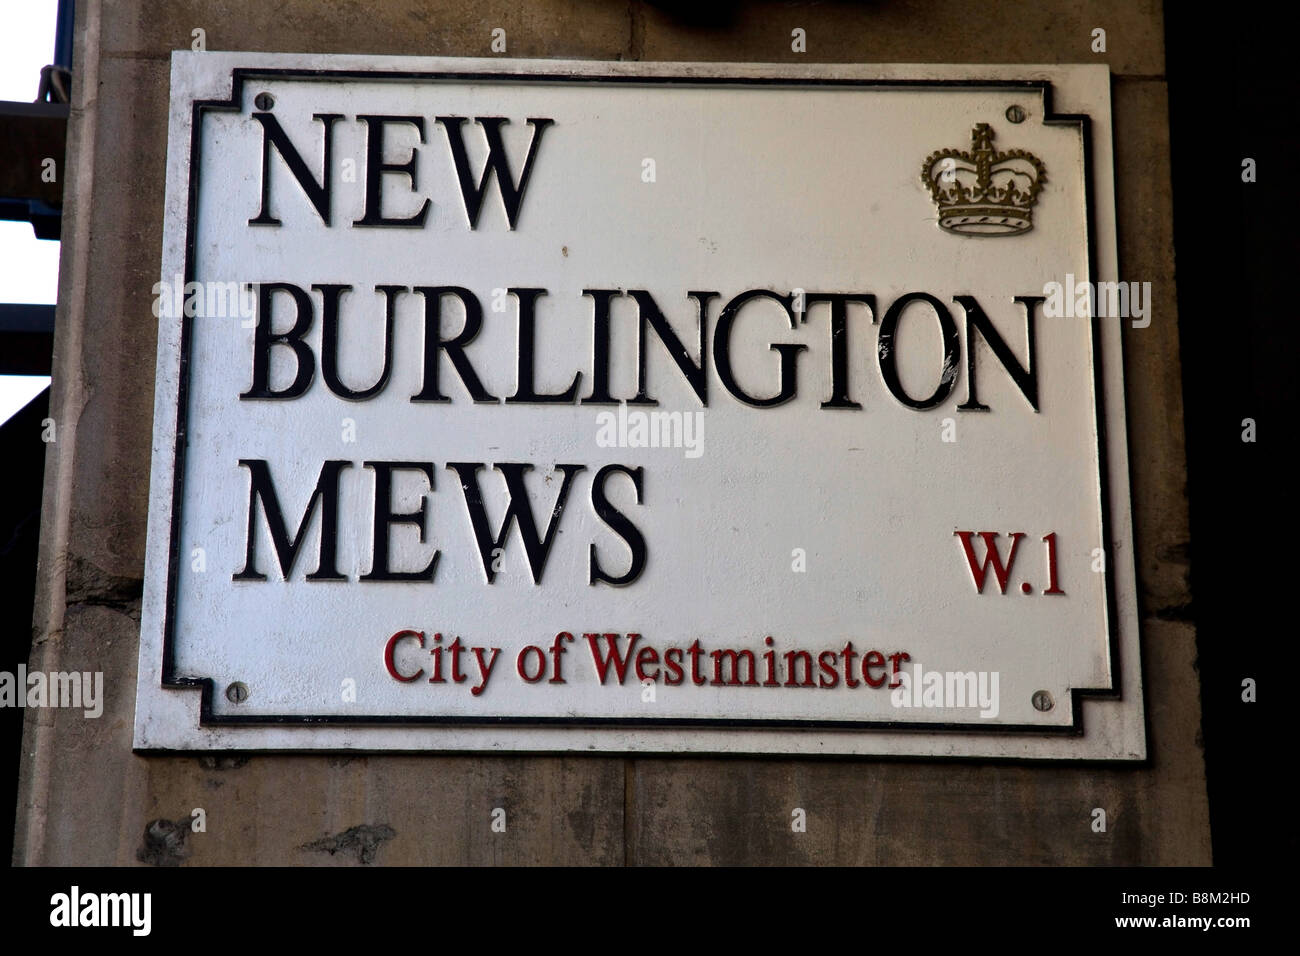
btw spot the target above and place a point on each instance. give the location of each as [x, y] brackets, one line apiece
[540, 405]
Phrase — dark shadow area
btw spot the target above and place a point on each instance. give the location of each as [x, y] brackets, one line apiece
[22, 458]
[1232, 97]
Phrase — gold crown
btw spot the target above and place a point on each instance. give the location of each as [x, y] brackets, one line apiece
[983, 193]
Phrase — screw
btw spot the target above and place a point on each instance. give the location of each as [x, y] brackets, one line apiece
[265, 101]
[237, 692]
[1014, 113]
[1042, 700]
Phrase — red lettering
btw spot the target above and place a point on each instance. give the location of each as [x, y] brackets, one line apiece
[611, 656]
[790, 657]
[388, 655]
[769, 657]
[735, 657]
[556, 650]
[647, 655]
[896, 657]
[673, 662]
[435, 675]
[869, 660]
[1052, 587]
[978, 571]
[484, 667]
[455, 648]
[849, 654]
[696, 652]
[522, 668]
[828, 670]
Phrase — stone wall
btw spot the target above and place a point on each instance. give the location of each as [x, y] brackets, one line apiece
[85, 798]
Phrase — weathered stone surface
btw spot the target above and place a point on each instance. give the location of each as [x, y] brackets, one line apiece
[78, 774]
[108, 433]
[555, 29]
[1152, 371]
[86, 797]
[907, 31]
[871, 812]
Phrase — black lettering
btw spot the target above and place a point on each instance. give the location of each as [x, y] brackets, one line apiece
[600, 347]
[318, 193]
[376, 167]
[385, 518]
[264, 340]
[788, 351]
[620, 524]
[524, 391]
[454, 348]
[840, 340]
[649, 315]
[1025, 377]
[261, 488]
[888, 357]
[518, 511]
[497, 164]
[329, 346]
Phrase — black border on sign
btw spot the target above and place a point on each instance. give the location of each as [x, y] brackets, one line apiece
[206, 715]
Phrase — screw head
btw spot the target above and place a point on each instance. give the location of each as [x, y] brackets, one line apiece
[264, 101]
[1015, 114]
[237, 692]
[1042, 700]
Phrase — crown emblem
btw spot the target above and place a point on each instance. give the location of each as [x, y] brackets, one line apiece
[983, 193]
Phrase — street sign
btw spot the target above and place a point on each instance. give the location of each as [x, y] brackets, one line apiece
[540, 405]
